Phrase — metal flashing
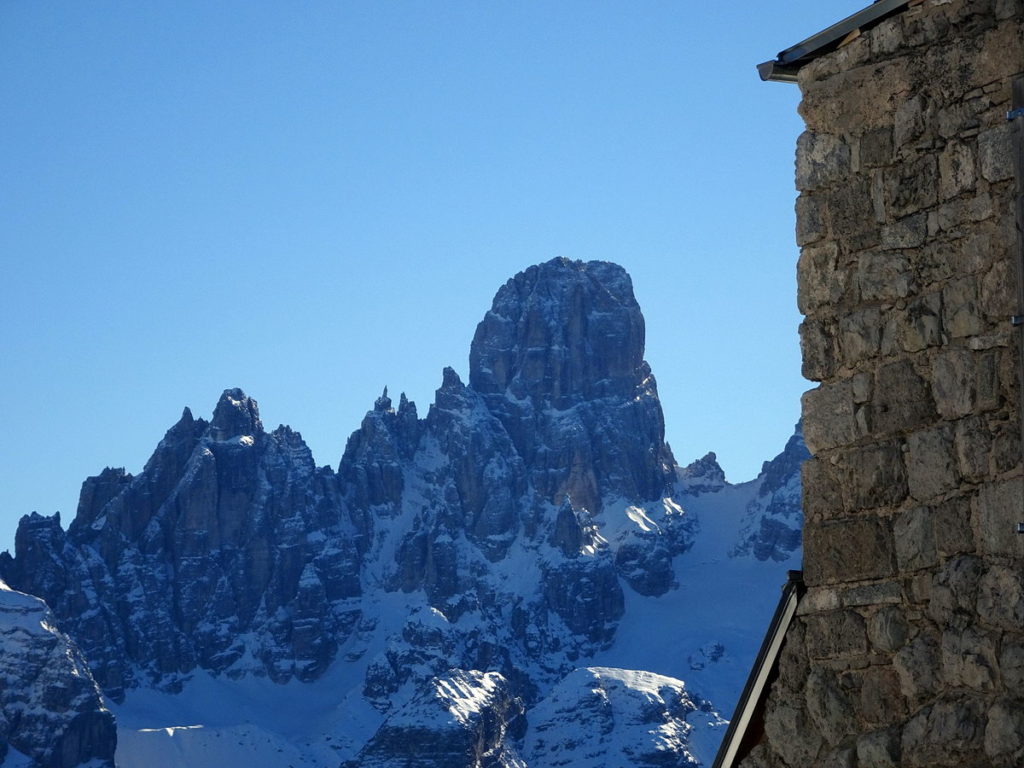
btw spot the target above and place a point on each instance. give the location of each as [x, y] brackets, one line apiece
[784, 67]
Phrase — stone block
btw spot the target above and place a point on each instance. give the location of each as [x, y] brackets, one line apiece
[885, 276]
[917, 664]
[995, 153]
[830, 706]
[998, 297]
[954, 590]
[1004, 731]
[860, 334]
[969, 659]
[1001, 597]
[901, 401]
[952, 527]
[793, 666]
[872, 476]
[956, 170]
[909, 121]
[915, 540]
[846, 550]
[931, 465]
[852, 218]
[988, 376]
[879, 749]
[944, 734]
[871, 594]
[1011, 662]
[836, 633]
[822, 495]
[954, 384]
[961, 309]
[810, 218]
[888, 629]
[916, 328]
[876, 147]
[820, 280]
[821, 160]
[828, 416]
[791, 732]
[973, 444]
[1000, 506]
[881, 700]
[911, 185]
[909, 232]
[818, 349]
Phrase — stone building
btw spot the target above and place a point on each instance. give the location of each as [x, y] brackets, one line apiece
[908, 647]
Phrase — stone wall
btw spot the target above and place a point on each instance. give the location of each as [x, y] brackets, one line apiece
[909, 645]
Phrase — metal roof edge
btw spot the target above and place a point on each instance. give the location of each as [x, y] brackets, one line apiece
[788, 62]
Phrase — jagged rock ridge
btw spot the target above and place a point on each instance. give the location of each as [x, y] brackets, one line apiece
[508, 525]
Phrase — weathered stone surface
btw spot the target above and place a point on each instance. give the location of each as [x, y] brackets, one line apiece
[969, 659]
[1004, 732]
[830, 706]
[999, 511]
[873, 476]
[829, 408]
[792, 732]
[888, 628]
[954, 383]
[881, 700]
[917, 665]
[848, 550]
[995, 152]
[952, 527]
[838, 633]
[901, 399]
[931, 466]
[1001, 597]
[823, 160]
[914, 491]
[955, 588]
[879, 749]
[944, 734]
[914, 533]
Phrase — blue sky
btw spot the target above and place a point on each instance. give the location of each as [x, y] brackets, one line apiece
[314, 200]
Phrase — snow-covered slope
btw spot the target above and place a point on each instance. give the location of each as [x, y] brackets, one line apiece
[457, 584]
[51, 713]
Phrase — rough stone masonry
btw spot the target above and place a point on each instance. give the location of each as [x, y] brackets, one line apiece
[908, 648]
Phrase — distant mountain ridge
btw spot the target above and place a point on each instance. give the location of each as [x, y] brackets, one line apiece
[451, 587]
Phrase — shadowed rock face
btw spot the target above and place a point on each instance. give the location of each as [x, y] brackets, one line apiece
[50, 707]
[559, 360]
[169, 568]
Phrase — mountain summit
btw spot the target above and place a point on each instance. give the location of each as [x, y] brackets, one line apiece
[460, 584]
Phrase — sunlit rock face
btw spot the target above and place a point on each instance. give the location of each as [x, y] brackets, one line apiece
[454, 571]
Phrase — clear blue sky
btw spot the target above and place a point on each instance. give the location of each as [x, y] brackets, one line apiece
[313, 200]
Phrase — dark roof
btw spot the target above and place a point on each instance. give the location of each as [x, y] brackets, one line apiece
[746, 726]
[785, 66]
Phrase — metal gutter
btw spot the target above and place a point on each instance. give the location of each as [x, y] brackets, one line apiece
[784, 67]
[750, 708]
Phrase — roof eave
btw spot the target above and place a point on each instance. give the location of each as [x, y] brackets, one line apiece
[784, 67]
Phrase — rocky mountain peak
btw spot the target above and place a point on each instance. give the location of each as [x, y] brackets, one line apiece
[560, 332]
[559, 360]
[236, 414]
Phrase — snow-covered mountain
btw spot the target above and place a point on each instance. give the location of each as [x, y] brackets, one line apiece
[524, 577]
